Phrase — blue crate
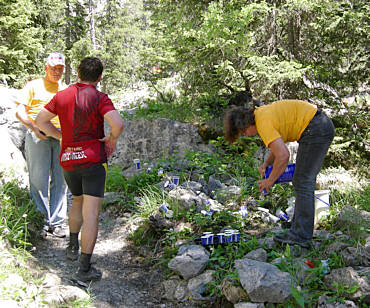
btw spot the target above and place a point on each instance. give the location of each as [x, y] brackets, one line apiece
[287, 175]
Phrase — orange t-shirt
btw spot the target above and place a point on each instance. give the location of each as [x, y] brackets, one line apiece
[35, 95]
[286, 119]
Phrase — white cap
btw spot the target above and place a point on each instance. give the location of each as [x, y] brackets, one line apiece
[55, 58]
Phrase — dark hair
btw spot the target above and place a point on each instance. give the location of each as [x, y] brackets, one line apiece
[236, 120]
[90, 69]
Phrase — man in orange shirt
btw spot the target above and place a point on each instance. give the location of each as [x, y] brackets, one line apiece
[277, 123]
[47, 185]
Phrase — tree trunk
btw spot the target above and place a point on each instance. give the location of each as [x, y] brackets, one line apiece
[92, 24]
[67, 69]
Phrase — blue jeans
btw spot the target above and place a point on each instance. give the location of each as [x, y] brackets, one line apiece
[313, 146]
[47, 185]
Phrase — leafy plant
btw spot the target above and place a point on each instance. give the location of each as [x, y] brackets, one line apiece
[19, 219]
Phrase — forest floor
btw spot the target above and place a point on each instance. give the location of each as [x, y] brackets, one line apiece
[127, 281]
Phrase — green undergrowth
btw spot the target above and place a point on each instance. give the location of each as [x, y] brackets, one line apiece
[235, 163]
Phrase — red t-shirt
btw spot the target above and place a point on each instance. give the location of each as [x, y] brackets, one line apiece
[81, 109]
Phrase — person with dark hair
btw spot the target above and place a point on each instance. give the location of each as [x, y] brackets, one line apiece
[82, 109]
[47, 186]
[277, 123]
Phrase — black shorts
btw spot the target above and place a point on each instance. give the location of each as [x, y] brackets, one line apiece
[88, 181]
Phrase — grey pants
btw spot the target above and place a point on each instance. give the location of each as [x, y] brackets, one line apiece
[313, 146]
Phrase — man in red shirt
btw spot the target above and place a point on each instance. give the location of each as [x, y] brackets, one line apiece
[81, 109]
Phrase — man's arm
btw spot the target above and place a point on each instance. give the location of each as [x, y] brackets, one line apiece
[281, 156]
[115, 121]
[21, 114]
[43, 122]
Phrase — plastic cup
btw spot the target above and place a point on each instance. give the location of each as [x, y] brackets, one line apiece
[228, 237]
[175, 180]
[236, 237]
[220, 238]
[282, 215]
[137, 163]
[163, 208]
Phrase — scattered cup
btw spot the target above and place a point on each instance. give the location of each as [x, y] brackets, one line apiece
[137, 163]
[282, 215]
[175, 180]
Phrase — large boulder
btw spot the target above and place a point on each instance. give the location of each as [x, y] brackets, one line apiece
[12, 162]
[264, 282]
[190, 261]
[150, 139]
[8, 120]
[348, 277]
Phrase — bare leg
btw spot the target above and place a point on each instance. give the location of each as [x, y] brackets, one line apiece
[75, 215]
[90, 212]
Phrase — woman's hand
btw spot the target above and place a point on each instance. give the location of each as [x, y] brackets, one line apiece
[264, 185]
[262, 170]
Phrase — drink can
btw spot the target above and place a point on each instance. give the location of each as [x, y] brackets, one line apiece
[137, 163]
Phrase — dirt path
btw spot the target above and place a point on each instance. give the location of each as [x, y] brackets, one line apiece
[126, 281]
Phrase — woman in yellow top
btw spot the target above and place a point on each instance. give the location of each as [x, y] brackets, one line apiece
[277, 123]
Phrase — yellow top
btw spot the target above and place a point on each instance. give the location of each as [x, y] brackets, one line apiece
[35, 95]
[286, 119]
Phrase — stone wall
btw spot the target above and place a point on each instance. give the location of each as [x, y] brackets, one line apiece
[151, 139]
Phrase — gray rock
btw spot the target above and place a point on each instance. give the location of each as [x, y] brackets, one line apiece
[159, 223]
[347, 276]
[356, 256]
[12, 163]
[336, 247]
[268, 242]
[349, 217]
[259, 255]
[323, 234]
[190, 261]
[196, 285]
[112, 197]
[186, 198]
[150, 139]
[51, 280]
[249, 305]
[61, 294]
[367, 244]
[234, 294]
[324, 302]
[264, 282]
[363, 271]
[192, 185]
[213, 185]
